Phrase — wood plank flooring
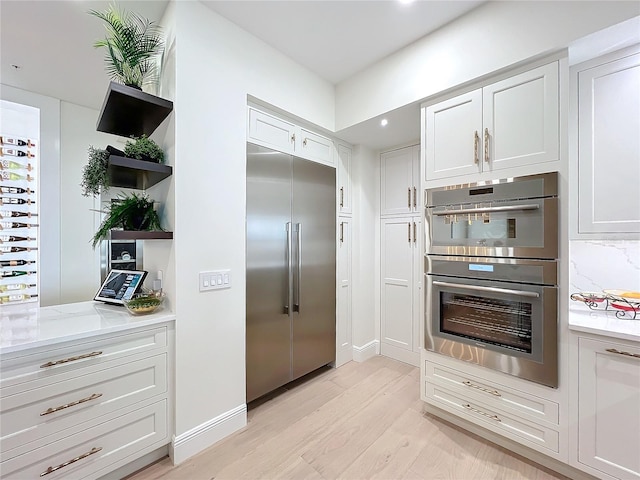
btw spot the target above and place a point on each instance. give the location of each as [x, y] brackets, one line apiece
[360, 421]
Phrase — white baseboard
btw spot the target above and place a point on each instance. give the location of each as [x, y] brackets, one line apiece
[203, 436]
[400, 354]
[367, 351]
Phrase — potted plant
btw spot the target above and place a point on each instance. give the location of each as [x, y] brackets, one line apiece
[143, 148]
[95, 178]
[132, 43]
[129, 212]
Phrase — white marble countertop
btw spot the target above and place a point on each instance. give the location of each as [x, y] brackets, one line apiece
[23, 327]
[603, 322]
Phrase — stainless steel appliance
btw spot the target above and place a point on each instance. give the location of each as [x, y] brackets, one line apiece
[291, 262]
[120, 255]
[491, 275]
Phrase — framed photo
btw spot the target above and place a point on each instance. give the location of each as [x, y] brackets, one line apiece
[120, 285]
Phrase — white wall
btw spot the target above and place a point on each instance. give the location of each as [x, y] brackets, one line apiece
[491, 37]
[217, 66]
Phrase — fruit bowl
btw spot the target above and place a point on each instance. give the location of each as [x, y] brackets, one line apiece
[144, 303]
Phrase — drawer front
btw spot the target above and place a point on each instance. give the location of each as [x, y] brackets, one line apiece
[89, 453]
[37, 413]
[507, 399]
[68, 357]
[531, 434]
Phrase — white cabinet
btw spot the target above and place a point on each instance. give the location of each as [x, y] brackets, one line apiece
[344, 179]
[314, 147]
[400, 181]
[344, 342]
[400, 290]
[510, 123]
[608, 147]
[608, 404]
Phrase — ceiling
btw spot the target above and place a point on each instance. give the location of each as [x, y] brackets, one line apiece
[51, 41]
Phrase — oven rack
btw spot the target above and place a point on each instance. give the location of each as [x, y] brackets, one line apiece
[623, 307]
[489, 305]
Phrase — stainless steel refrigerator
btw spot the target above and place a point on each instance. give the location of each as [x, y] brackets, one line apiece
[291, 268]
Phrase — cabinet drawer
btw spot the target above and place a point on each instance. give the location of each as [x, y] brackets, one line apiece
[47, 363]
[493, 419]
[316, 147]
[125, 436]
[507, 399]
[26, 415]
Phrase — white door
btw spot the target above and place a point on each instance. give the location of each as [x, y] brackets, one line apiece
[396, 182]
[344, 344]
[453, 131]
[520, 119]
[344, 179]
[609, 147]
[609, 407]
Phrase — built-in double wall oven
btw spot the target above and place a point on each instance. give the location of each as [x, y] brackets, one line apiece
[491, 269]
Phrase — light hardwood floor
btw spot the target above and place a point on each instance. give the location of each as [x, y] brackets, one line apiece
[360, 421]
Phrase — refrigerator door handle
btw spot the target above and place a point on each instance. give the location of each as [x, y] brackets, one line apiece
[296, 305]
[289, 270]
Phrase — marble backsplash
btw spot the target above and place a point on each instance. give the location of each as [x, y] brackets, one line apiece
[599, 264]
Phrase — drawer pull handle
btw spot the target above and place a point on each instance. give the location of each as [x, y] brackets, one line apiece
[478, 387]
[475, 410]
[626, 354]
[73, 460]
[72, 404]
[70, 359]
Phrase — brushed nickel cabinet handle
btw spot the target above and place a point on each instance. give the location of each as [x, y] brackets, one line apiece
[304, 142]
[486, 145]
[70, 359]
[293, 137]
[480, 412]
[49, 411]
[73, 460]
[341, 232]
[341, 196]
[626, 354]
[476, 143]
[409, 197]
[415, 198]
[414, 232]
[409, 232]
[478, 387]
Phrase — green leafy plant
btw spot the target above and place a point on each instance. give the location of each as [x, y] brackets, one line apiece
[132, 43]
[143, 148]
[95, 178]
[129, 212]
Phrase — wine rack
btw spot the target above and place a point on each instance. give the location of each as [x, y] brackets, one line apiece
[19, 232]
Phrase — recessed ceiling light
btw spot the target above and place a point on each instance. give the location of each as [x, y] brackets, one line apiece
[384, 122]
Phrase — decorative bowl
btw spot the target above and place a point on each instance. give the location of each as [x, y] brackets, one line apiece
[144, 303]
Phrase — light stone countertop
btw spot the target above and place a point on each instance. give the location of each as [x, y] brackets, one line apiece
[24, 327]
[603, 322]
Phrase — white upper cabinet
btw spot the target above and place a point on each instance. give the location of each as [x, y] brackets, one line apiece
[510, 123]
[400, 181]
[314, 147]
[344, 179]
[609, 145]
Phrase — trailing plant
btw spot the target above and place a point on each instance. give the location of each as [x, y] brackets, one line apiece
[129, 212]
[143, 148]
[132, 43]
[95, 178]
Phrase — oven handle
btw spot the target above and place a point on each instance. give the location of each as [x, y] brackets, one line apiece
[507, 208]
[520, 293]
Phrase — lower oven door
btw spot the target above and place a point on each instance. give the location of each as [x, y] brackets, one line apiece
[509, 327]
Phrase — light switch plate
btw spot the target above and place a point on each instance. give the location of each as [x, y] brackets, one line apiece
[214, 280]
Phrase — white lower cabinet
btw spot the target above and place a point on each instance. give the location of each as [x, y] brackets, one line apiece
[608, 404]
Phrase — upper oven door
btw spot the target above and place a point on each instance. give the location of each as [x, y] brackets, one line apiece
[518, 228]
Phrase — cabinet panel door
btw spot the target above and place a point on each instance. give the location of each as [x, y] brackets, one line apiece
[417, 204]
[609, 149]
[609, 408]
[396, 182]
[315, 147]
[269, 131]
[520, 119]
[344, 179]
[451, 127]
[344, 344]
[418, 296]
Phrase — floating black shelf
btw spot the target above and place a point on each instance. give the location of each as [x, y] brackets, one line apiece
[140, 235]
[127, 111]
[131, 173]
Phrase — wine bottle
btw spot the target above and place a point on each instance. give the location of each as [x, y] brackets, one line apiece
[4, 249]
[16, 142]
[16, 286]
[16, 201]
[9, 213]
[16, 298]
[14, 152]
[6, 175]
[4, 225]
[10, 164]
[8, 189]
[15, 273]
[13, 238]
[15, 263]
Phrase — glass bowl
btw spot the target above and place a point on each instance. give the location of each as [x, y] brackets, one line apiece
[144, 303]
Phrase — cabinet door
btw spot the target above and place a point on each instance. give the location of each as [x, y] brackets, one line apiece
[609, 407]
[344, 344]
[315, 147]
[272, 132]
[396, 182]
[453, 131]
[520, 119]
[344, 179]
[608, 149]
[418, 297]
[416, 204]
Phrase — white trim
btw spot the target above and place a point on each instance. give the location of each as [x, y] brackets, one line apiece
[206, 434]
[367, 351]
